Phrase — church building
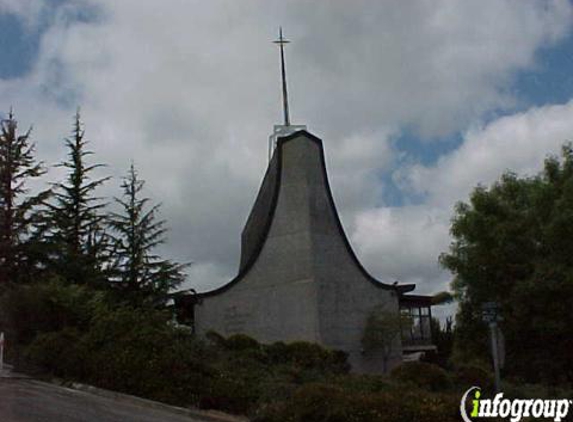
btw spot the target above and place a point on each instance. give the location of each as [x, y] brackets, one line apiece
[299, 278]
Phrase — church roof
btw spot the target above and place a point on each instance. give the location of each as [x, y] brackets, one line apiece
[261, 217]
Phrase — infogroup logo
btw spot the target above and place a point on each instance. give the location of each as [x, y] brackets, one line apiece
[514, 409]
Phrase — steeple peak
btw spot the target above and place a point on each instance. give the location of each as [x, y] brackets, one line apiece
[286, 128]
[281, 43]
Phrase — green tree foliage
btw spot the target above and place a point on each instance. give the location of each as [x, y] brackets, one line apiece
[29, 310]
[512, 245]
[381, 333]
[71, 332]
[422, 374]
[320, 402]
[18, 211]
[78, 234]
[140, 272]
[443, 339]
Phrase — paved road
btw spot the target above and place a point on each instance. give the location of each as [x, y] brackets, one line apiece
[24, 400]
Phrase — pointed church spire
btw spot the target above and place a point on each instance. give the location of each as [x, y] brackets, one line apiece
[281, 42]
[286, 128]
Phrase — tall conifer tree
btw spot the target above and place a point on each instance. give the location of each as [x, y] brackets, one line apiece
[140, 272]
[18, 211]
[79, 237]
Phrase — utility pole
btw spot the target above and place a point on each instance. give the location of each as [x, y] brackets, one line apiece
[490, 314]
[1, 352]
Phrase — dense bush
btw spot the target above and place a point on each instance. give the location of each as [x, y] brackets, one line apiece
[62, 353]
[136, 351]
[303, 356]
[249, 373]
[76, 333]
[362, 383]
[423, 375]
[240, 342]
[328, 403]
[469, 375]
[82, 335]
[30, 310]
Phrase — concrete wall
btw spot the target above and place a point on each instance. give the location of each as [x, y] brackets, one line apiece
[306, 283]
[347, 295]
[276, 298]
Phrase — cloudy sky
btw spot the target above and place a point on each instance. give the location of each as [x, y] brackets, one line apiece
[417, 102]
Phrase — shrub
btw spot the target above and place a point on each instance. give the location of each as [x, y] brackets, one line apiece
[215, 339]
[311, 355]
[422, 374]
[327, 403]
[278, 386]
[241, 342]
[232, 391]
[277, 353]
[135, 350]
[419, 406]
[321, 402]
[30, 310]
[362, 383]
[469, 375]
[132, 350]
[90, 338]
[535, 391]
[240, 369]
[61, 352]
[250, 374]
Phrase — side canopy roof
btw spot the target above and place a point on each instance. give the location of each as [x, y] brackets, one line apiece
[261, 217]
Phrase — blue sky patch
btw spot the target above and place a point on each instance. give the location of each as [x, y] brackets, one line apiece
[552, 81]
[20, 44]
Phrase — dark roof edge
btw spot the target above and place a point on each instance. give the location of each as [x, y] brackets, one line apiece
[425, 300]
[262, 208]
[404, 288]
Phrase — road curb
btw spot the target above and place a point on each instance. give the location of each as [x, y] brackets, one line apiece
[204, 415]
[8, 373]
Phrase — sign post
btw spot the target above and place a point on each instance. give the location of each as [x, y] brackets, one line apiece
[1, 352]
[490, 314]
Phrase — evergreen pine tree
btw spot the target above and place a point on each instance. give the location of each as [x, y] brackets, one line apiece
[18, 212]
[78, 235]
[141, 273]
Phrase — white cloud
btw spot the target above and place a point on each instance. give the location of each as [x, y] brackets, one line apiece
[405, 242]
[435, 65]
[190, 91]
[517, 143]
[357, 162]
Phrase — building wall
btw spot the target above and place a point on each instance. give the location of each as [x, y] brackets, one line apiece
[305, 283]
[276, 298]
[347, 294]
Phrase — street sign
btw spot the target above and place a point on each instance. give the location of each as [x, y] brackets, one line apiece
[1, 351]
[490, 314]
[501, 348]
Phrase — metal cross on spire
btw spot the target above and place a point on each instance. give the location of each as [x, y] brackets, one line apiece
[286, 128]
[281, 42]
